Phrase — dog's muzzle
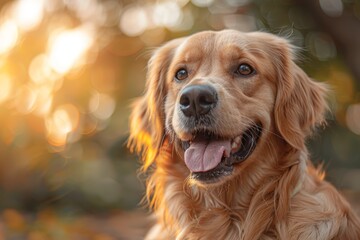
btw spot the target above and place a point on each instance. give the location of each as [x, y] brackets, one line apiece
[208, 155]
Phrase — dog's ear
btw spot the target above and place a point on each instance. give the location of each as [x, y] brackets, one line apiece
[147, 118]
[300, 102]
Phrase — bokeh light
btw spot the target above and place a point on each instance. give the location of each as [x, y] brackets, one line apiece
[5, 87]
[321, 46]
[25, 99]
[60, 123]
[333, 8]
[102, 106]
[134, 21]
[8, 35]
[44, 100]
[68, 47]
[353, 118]
[40, 71]
[28, 14]
[167, 14]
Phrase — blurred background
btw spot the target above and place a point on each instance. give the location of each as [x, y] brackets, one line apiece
[70, 68]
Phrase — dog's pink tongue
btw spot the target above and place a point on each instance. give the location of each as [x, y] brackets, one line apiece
[203, 156]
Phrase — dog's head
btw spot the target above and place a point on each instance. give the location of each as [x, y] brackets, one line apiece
[214, 99]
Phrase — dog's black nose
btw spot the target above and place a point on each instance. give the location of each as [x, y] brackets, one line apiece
[196, 100]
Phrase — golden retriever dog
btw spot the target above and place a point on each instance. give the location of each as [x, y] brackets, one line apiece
[222, 129]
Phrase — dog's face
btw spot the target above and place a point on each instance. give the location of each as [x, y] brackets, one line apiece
[218, 96]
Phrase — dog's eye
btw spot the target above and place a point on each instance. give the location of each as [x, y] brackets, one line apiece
[181, 74]
[244, 69]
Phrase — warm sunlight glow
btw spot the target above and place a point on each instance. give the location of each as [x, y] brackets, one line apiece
[133, 21]
[68, 48]
[44, 100]
[8, 36]
[5, 87]
[64, 120]
[61, 120]
[167, 14]
[102, 106]
[28, 13]
[25, 99]
[39, 70]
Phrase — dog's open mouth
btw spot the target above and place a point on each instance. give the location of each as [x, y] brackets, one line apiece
[210, 157]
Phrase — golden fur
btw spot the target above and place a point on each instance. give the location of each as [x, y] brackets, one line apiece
[276, 193]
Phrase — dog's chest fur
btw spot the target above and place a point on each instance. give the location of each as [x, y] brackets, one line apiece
[222, 213]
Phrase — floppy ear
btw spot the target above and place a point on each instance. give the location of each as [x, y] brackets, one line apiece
[147, 119]
[300, 102]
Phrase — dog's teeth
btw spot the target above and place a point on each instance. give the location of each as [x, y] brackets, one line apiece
[234, 145]
[237, 140]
